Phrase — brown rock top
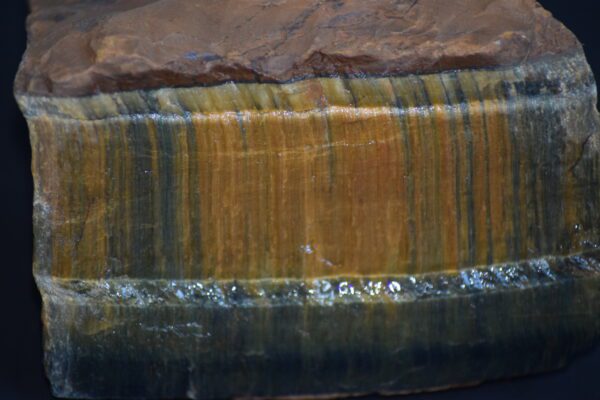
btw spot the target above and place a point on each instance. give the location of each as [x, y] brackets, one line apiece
[83, 47]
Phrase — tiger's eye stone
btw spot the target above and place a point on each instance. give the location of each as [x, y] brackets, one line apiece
[309, 198]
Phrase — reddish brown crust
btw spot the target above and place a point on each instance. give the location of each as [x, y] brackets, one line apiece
[81, 47]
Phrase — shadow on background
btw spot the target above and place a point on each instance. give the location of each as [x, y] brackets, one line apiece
[21, 370]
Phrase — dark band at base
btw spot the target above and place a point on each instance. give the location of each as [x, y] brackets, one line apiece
[213, 339]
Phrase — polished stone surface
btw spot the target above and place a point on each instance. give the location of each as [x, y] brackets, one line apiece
[412, 211]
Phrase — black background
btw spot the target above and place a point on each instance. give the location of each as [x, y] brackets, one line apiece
[21, 370]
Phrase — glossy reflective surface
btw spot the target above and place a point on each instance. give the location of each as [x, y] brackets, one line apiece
[324, 237]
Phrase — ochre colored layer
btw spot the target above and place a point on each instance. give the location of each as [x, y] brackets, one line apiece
[323, 177]
[78, 47]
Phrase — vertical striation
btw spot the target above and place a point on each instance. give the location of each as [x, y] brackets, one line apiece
[323, 177]
[309, 197]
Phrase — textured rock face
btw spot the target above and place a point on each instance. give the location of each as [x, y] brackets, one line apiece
[360, 208]
[82, 47]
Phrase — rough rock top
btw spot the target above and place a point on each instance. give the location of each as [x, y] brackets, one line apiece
[83, 47]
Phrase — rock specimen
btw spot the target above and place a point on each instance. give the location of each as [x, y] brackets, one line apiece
[302, 197]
